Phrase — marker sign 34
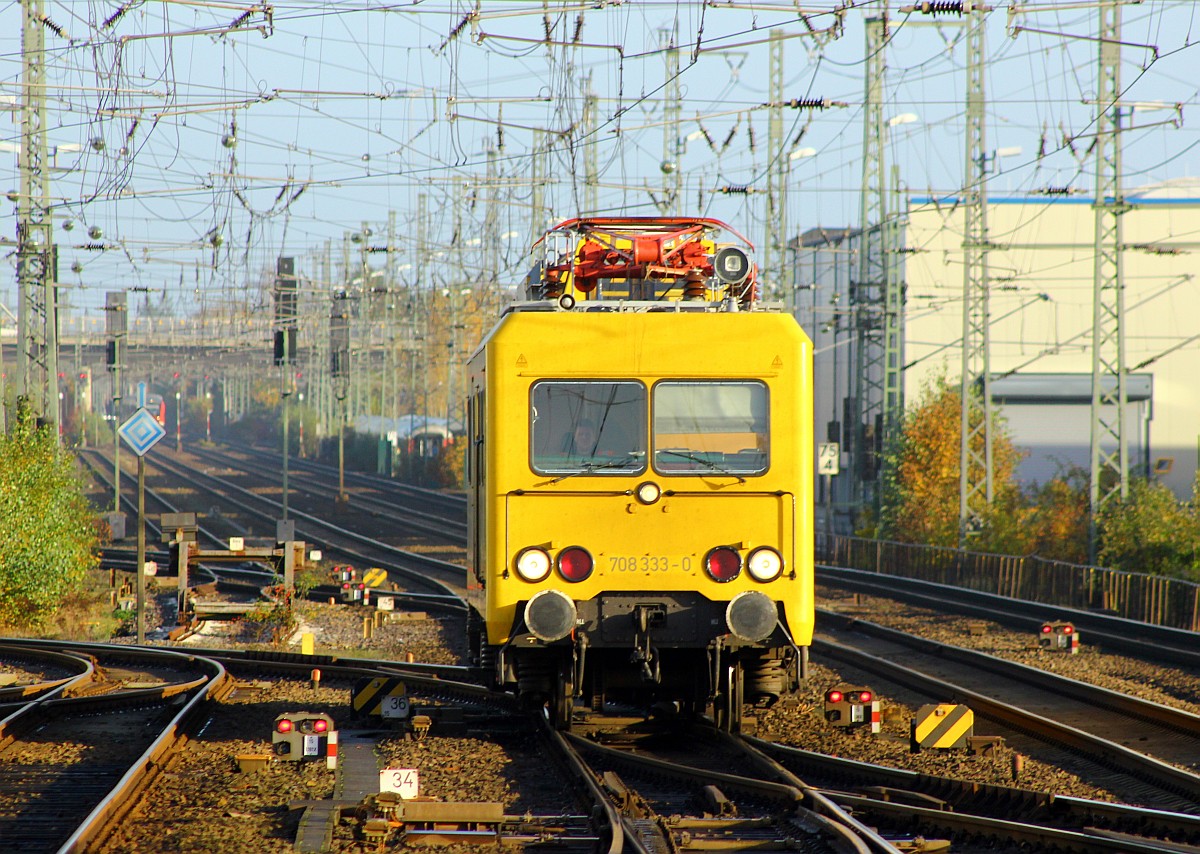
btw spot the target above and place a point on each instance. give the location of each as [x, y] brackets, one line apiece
[403, 781]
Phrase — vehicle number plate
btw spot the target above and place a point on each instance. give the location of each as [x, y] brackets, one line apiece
[649, 563]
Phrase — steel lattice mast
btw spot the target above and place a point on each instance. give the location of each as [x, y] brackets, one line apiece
[1109, 449]
[37, 309]
[867, 293]
[672, 201]
[976, 488]
[778, 271]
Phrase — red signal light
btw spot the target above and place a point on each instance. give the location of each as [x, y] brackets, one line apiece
[320, 725]
[723, 564]
[284, 725]
[833, 697]
[574, 563]
[1068, 630]
[345, 585]
[1046, 630]
[864, 697]
[362, 586]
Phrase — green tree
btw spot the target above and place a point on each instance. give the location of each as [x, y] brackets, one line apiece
[919, 502]
[1152, 531]
[48, 538]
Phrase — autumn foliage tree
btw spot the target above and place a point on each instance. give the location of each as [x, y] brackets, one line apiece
[919, 501]
[1148, 531]
[1056, 523]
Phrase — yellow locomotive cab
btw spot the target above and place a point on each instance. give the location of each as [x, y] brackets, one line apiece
[639, 478]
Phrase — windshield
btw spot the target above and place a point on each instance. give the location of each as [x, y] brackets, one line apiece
[705, 427]
[588, 427]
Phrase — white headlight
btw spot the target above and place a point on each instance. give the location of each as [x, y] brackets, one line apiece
[533, 564]
[648, 492]
[764, 564]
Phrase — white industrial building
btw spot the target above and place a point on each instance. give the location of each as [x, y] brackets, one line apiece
[1041, 309]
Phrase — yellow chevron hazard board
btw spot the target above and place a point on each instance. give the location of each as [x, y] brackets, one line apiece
[374, 576]
[942, 725]
[384, 696]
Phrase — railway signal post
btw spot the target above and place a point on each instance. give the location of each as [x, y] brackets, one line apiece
[141, 432]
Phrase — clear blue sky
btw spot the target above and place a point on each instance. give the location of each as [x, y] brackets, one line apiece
[321, 115]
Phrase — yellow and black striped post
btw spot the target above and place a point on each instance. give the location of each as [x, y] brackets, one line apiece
[374, 577]
[942, 725]
[383, 696]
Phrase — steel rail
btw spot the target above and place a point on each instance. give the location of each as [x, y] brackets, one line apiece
[792, 793]
[1132, 637]
[1156, 713]
[24, 693]
[141, 774]
[454, 527]
[416, 571]
[976, 826]
[818, 803]
[966, 796]
[1116, 756]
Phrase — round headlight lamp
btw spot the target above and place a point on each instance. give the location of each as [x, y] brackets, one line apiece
[764, 564]
[533, 564]
[647, 492]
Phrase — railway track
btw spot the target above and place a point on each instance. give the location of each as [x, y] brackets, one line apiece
[680, 788]
[1146, 641]
[856, 801]
[900, 798]
[1037, 711]
[426, 512]
[73, 757]
[415, 571]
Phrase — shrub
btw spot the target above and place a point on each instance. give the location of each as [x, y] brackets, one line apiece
[1151, 531]
[48, 534]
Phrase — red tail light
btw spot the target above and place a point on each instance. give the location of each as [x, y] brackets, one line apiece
[574, 563]
[723, 564]
[833, 697]
[284, 725]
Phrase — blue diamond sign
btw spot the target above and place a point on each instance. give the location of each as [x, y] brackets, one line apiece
[141, 431]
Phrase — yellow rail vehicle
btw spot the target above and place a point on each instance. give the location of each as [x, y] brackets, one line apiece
[640, 479]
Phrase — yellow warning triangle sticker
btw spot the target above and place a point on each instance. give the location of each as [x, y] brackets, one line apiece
[521, 362]
[778, 363]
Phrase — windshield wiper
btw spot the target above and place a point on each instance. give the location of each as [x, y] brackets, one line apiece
[720, 469]
[588, 468]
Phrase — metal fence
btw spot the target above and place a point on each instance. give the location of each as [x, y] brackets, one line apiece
[1148, 598]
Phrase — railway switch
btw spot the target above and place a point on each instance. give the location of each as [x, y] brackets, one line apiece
[301, 736]
[852, 706]
[1059, 635]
